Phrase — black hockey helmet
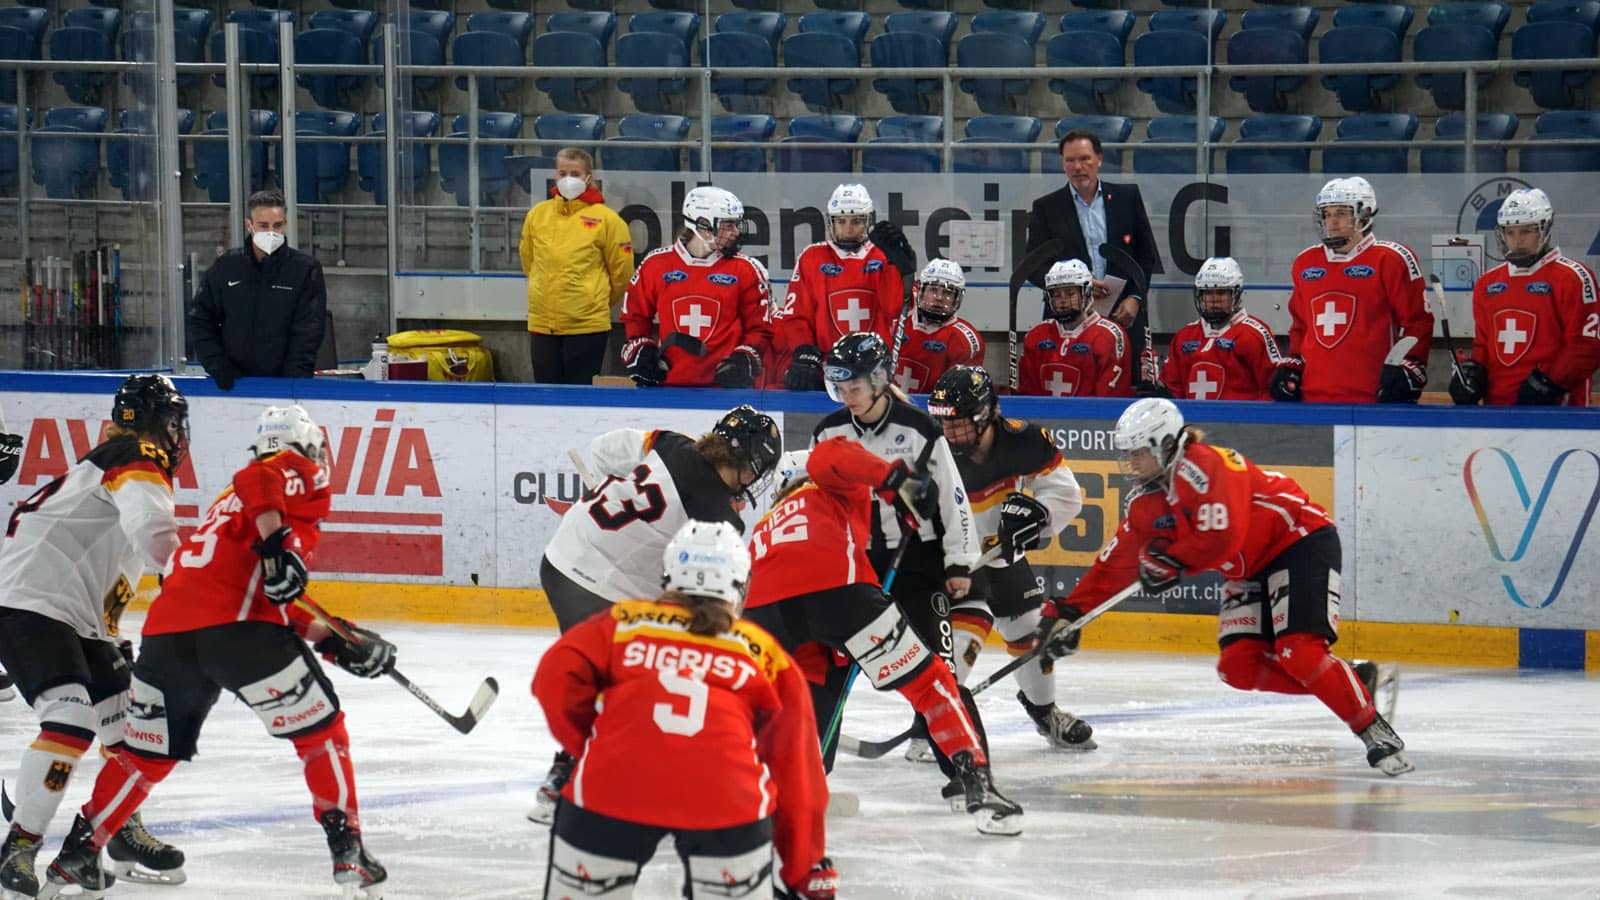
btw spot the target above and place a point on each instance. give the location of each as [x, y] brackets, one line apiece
[756, 442]
[962, 395]
[151, 405]
[860, 354]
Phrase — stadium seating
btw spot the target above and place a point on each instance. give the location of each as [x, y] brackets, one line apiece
[768, 25]
[1084, 49]
[598, 25]
[322, 167]
[1392, 17]
[211, 157]
[1205, 22]
[416, 48]
[515, 25]
[1301, 20]
[852, 24]
[1554, 88]
[79, 43]
[15, 43]
[330, 47]
[652, 49]
[8, 146]
[821, 49]
[1359, 92]
[436, 22]
[940, 24]
[1452, 42]
[68, 167]
[685, 26]
[794, 156]
[1563, 124]
[489, 48]
[1489, 16]
[1246, 160]
[255, 46]
[744, 127]
[1583, 12]
[1109, 129]
[1370, 160]
[1172, 130]
[1490, 127]
[877, 157]
[360, 23]
[904, 50]
[131, 152]
[1266, 46]
[630, 151]
[493, 175]
[738, 49]
[139, 45]
[582, 130]
[562, 49]
[1172, 94]
[32, 21]
[988, 129]
[1026, 25]
[106, 21]
[996, 50]
[261, 19]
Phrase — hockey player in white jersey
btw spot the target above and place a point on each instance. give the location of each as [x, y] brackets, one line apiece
[71, 559]
[10, 458]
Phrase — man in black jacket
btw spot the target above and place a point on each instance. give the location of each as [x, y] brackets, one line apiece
[1088, 212]
[260, 307]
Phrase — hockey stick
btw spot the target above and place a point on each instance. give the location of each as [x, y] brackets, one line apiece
[1443, 315]
[1141, 286]
[907, 304]
[1039, 258]
[487, 692]
[876, 749]
[582, 467]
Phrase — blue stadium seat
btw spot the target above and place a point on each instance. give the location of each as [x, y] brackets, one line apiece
[1490, 16]
[598, 25]
[513, 24]
[32, 21]
[757, 5]
[937, 24]
[196, 23]
[255, 46]
[321, 168]
[630, 151]
[1172, 130]
[261, 19]
[741, 127]
[211, 157]
[1115, 22]
[325, 46]
[768, 25]
[1008, 4]
[795, 157]
[880, 156]
[1095, 4]
[1395, 17]
[1266, 46]
[908, 49]
[1554, 88]
[359, 22]
[1082, 49]
[849, 24]
[75, 43]
[1301, 20]
[1172, 94]
[1370, 160]
[1583, 12]
[561, 49]
[581, 130]
[1359, 44]
[994, 50]
[1109, 129]
[488, 48]
[1243, 160]
[1563, 124]
[106, 21]
[817, 49]
[15, 43]
[685, 26]
[415, 48]
[652, 48]
[435, 22]
[1452, 42]
[737, 49]
[131, 151]
[1026, 25]
[493, 175]
[1490, 127]
[68, 167]
[144, 119]
[1015, 129]
[139, 45]
[416, 164]
[8, 146]
[1200, 21]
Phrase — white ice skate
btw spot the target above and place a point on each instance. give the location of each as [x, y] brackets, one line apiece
[918, 750]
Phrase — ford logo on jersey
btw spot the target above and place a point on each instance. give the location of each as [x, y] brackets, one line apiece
[831, 269]
[836, 373]
[934, 346]
[1225, 343]
[1499, 287]
[1188, 346]
[1539, 287]
[873, 265]
[675, 275]
[1358, 271]
[723, 278]
[1167, 521]
[1047, 344]
[1312, 274]
[1079, 347]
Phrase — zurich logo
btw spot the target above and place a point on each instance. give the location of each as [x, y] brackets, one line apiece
[1312, 274]
[1538, 287]
[675, 275]
[723, 279]
[1188, 346]
[873, 265]
[831, 269]
[1499, 287]
[934, 346]
[1358, 271]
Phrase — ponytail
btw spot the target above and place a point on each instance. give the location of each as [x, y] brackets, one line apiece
[708, 615]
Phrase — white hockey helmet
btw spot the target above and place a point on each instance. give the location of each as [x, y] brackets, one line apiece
[707, 559]
[1067, 273]
[849, 202]
[1356, 193]
[1525, 206]
[289, 428]
[939, 290]
[1153, 424]
[790, 469]
[1219, 273]
[710, 211]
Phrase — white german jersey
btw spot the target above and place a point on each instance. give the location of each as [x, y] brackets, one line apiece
[611, 541]
[74, 550]
[1023, 457]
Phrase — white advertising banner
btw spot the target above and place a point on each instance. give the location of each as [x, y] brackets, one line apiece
[1478, 526]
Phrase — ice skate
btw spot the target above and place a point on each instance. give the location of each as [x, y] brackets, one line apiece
[1385, 750]
[354, 869]
[1382, 681]
[993, 813]
[1062, 729]
[18, 880]
[955, 793]
[78, 864]
[137, 856]
[8, 687]
[919, 750]
[544, 806]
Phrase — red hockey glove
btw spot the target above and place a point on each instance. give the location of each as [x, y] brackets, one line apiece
[642, 358]
[1055, 631]
[1159, 572]
[821, 883]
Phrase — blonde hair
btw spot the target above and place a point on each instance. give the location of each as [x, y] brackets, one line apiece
[707, 615]
[577, 155]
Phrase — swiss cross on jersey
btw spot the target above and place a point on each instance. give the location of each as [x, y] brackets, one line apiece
[1207, 380]
[695, 314]
[1332, 315]
[1514, 330]
[1061, 380]
[852, 310]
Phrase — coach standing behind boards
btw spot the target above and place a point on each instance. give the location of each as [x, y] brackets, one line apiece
[1088, 212]
[260, 308]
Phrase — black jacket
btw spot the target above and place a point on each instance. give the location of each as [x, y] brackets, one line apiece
[262, 318]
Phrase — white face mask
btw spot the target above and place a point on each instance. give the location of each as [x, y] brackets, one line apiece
[267, 242]
[570, 187]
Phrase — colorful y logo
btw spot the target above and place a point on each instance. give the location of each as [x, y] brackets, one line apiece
[1533, 518]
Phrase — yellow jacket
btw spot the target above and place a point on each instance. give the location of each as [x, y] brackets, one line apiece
[578, 256]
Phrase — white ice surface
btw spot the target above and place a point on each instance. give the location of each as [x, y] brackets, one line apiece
[1196, 791]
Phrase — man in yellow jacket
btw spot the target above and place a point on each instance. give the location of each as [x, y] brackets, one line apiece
[578, 256]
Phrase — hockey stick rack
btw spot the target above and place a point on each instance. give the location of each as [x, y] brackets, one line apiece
[1035, 263]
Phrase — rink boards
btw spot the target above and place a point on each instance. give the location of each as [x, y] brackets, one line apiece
[1467, 533]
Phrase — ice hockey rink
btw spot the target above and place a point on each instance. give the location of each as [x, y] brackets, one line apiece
[1196, 791]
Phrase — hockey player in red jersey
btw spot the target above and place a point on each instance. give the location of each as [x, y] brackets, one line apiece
[814, 588]
[1354, 298]
[1536, 335]
[937, 338]
[1226, 354]
[1199, 507]
[706, 734]
[72, 555]
[696, 310]
[1075, 351]
[225, 619]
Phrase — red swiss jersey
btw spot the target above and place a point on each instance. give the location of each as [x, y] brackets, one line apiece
[1233, 362]
[816, 537]
[928, 353]
[719, 301]
[1541, 317]
[1347, 310]
[1221, 513]
[215, 577]
[696, 731]
[832, 294]
[1091, 360]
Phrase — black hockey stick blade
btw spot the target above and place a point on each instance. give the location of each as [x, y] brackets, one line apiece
[686, 342]
[7, 808]
[487, 693]
[873, 749]
[1034, 264]
[1074, 626]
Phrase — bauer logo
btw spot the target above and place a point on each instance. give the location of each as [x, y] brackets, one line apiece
[1358, 271]
[1502, 501]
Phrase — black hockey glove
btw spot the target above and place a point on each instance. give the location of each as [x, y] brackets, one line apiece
[642, 357]
[283, 572]
[892, 241]
[1402, 383]
[740, 369]
[368, 657]
[1285, 381]
[10, 455]
[1055, 632]
[224, 377]
[821, 883]
[1159, 572]
[125, 647]
[1469, 383]
[805, 369]
[1022, 522]
[1538, 390]
[916, 491]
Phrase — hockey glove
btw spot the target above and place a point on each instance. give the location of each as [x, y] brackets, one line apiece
[642, 357]
[805, 369]
[1022, 522]
[1151, 389]
[821, 883]
[1285, 381]
[10, 455]
[125, 647]
[1539, 390]
[914, 490]
[367, 657]
[1055, 632]
[1469, 383]
[283, 572]
[1402, 383]
[740, 369]
[892, 241]
[1159, 572]
[224, 377]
